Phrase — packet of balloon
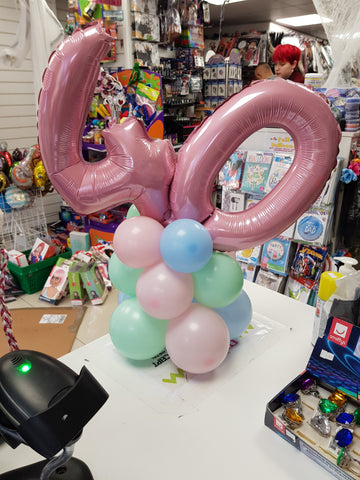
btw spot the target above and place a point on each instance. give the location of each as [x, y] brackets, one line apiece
[319, 411]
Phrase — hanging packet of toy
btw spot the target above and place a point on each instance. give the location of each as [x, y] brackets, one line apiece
[308, 264]
[173, 21]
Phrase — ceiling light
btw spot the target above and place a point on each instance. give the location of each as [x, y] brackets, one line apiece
[303, 20]
[221, 2]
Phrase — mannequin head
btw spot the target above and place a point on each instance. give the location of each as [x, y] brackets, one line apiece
[285, 59]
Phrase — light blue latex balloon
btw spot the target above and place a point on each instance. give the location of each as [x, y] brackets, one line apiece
[123, 296]
[136, 334]
[132, 212]
[186, 246]
[237, 315]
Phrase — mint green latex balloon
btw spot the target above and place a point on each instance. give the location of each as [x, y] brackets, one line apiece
[136, 334]
[123, 278]
[132, 212]
[218, 283]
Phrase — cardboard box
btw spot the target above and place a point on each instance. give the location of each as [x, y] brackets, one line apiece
[41, 251]
[94, 283]
[334, 365]
[17, 258]
[76, 288]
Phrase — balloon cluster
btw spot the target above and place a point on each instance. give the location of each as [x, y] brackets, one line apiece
[177, 293]
[19, 173]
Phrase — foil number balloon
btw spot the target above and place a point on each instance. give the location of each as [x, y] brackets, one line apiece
[145, 171]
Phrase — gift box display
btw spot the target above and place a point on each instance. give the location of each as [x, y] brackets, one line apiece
[319, 411]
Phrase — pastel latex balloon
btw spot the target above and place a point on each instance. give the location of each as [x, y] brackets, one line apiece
[135, 333]
[136, 168]
[237, 315]
[197, 341]
[132, 212]
[186, 246]
[163, 292]
[137, 241]
[219, 283]
[123, 278]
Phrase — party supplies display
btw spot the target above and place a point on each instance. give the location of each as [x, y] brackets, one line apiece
[275, 255]
[232, 200]
[319, 412]
[256, 171]
[230, 174]
[280, 165]
[314, 225]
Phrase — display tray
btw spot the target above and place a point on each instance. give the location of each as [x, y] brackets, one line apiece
[32, 278]
[312, 424]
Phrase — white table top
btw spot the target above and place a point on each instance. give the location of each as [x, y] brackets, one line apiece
[203, 427]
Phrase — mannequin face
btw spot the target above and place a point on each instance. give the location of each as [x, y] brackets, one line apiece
[284, 69]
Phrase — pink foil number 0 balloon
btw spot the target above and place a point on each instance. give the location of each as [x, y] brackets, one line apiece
[165, 186]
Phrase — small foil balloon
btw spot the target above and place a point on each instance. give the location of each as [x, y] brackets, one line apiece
[16, 197]
[137, 241]
[197, 341]
[4, 166]
[40, 179]
[186, 246]
[22, 173]
[4, 181]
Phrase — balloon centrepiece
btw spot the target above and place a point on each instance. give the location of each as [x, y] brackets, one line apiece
[168, 188]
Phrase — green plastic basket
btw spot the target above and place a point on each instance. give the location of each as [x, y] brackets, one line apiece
[32, 278]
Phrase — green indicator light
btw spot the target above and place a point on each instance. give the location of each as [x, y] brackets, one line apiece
[24, 367]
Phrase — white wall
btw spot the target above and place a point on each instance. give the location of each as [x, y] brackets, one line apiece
[17, 102]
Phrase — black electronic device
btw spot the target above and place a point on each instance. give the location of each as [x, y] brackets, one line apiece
[45, 405]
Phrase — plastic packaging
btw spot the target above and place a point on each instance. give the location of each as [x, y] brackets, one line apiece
[338, 296]
[327, 287]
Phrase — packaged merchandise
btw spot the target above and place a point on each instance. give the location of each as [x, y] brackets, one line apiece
[256, 171]
[279, 167]
[56, 285]
[93, 283]
[17, 258]
[314, 226]
[250, 255]
[319, 411]
[270, 280]
[40, 251]
[275, 255]
[76, 288]
[232, 200]
[231, 172]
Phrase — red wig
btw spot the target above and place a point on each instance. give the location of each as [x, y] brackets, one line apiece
[286, 53]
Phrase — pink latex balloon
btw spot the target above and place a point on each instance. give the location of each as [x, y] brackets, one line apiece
[163, 292]
[197, 341]
[137, 168]
[137, 241]
[276, 103]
